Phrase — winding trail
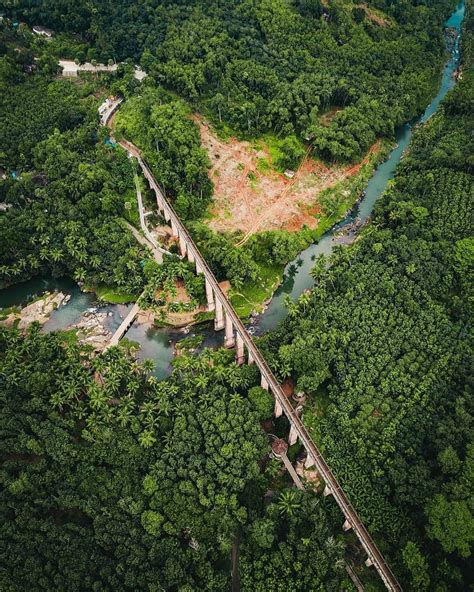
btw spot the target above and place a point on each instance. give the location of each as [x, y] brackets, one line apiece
[158, 251]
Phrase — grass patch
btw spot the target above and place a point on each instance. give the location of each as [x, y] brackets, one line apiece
[130, 211]
[252, 296]
[277, 155]
[204, 317]
[5, 312]
[263, 166]
[114, 295]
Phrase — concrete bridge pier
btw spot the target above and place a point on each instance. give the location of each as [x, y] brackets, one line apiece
[327, 490]
[309, 462]
[278, 410]
[229, 339]
[219, 318]
[209, 296]
[159, 202]
[182, 246]
[264, 384]
[346, 526]
[250, 359]
[239, 350]
[293, 437]
[174, 228]
[368, 562]
[192, 259]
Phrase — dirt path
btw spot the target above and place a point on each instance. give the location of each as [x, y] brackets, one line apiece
[268, 213]
[235, 564]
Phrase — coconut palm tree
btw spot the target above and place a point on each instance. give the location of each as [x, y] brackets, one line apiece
[124, 416]
[148, 365]
[147, 438]
[288, 502]
[201, 381]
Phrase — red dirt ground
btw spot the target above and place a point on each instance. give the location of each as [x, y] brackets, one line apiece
[268, 200]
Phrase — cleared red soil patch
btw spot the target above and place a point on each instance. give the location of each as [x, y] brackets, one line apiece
[250, 200]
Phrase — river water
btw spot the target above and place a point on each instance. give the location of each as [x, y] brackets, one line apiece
[158, 344]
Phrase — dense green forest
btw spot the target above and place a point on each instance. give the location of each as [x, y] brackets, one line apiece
[67, 188]
[171, 144]
[112, 481]
[273, 64]
[70, 188]
[383, 346]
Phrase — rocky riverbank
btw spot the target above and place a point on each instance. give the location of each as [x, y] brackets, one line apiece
[91, 329]
[38, 311]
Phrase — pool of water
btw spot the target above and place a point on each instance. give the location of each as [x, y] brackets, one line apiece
[159, 344]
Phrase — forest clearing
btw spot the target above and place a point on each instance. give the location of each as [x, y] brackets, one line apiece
[251, 196]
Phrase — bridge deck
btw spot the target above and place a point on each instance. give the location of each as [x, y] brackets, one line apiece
[124, 325]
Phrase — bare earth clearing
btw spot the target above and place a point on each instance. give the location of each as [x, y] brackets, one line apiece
[251, 197]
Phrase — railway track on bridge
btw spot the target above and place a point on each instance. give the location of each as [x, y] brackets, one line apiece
[233, 323]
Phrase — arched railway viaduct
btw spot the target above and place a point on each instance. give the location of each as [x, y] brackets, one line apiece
[246, 351]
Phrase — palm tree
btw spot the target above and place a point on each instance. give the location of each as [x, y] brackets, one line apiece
[317, 272]
[304, 300]
[113, 381]
[133, 385]
[233, 376]
[97, 397]
[288, 502]
[219, 372]
[147, 438]
[57, 400]
[201, 381]
[291, 307]
[124, 416]
[148, 365]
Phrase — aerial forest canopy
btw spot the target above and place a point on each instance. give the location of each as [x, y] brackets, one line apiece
[65, 190]
[383, 346]
[112, 481]
[271, 64]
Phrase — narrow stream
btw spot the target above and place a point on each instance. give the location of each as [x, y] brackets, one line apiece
[158, 344]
